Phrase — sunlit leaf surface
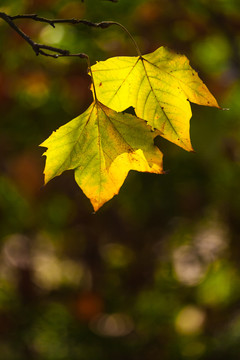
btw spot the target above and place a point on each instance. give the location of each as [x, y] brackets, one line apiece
[102, 146]
[158, 85]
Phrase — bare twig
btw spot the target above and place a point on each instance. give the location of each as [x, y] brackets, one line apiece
[39, 49]
[54, 52]
[52, 22]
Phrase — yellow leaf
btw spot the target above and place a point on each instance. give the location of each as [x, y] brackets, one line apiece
[102, 146]
[158, 85]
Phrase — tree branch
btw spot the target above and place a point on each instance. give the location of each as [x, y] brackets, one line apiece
[39, 49]
[52, 22]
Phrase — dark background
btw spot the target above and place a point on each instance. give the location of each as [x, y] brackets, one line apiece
[154, 274]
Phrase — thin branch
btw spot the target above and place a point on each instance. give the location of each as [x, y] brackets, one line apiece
[39, 49]
[52, 22]
[53, 51]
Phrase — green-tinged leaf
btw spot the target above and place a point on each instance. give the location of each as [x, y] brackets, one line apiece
[158, 85]
[102, 145]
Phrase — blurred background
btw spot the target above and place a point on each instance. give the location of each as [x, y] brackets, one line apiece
[155, 273]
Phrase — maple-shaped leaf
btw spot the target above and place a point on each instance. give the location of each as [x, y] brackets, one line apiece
[158, 85]
[102, 145]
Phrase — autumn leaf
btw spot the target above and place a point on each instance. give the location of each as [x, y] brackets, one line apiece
[158, 85]
[102, 145]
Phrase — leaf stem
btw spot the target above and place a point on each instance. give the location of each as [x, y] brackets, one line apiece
[129, 34]
[91, 74]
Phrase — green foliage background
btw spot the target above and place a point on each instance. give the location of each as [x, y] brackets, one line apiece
[155, 273]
